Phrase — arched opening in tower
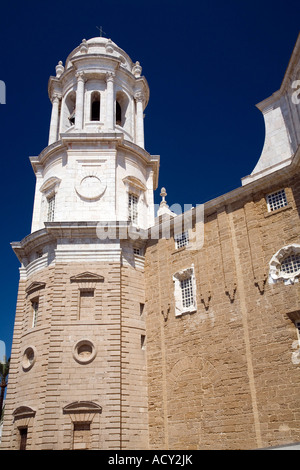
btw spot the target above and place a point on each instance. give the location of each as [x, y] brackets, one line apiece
[118, 114]
[95, 106]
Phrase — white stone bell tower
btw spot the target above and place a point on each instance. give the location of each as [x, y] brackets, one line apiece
[95, 167]
[78, 365]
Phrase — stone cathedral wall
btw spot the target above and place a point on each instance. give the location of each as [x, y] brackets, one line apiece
[227, 375]
[89, 366]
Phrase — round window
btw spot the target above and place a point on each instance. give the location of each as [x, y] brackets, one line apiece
[84, 351]
[285, 265]
[29, 358]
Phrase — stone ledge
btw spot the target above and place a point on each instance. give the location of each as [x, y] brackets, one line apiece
[277, 211]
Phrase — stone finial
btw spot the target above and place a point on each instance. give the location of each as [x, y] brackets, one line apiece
[109, 47]
[83, 47]
[137, 69]
[59, 69]
[163, 194]
[163, 207]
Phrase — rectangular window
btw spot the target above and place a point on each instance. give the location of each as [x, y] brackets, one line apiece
[142, 306]
[81, 436]
[143, 341]
[136, 251]
[23, 438]
[35, 311]
[132, 208]
[276, 200]
[187, 292]
[181, 239]
[87, 304]
[51, 208]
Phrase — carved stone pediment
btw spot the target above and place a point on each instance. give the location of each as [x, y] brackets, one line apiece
[82, 406]
[34, 286]
[50, 184]
[134, 182]
[87, 280]
[23, 412]
[82, 411]
[87, 277]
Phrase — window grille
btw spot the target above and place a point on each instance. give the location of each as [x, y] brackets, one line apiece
[132, 208]
[291, 264]
[182, 239]
[187, 292]
[136, 251]
[51, 208]
[276, 200]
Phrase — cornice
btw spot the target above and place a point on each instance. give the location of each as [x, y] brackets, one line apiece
[261, 184]
[239, 194]
[117, 137]
[30, 243]
[47, 152]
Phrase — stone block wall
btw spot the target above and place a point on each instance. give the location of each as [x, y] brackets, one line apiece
[87, 385]
[224, 377]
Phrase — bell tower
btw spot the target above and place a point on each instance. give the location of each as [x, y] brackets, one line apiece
[78, 366]
[95, 167]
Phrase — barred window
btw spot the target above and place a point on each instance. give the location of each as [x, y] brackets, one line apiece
[181, 239]
[132, 208]
[276, 200]
[291, 264]
[51, 208]
[187, 292]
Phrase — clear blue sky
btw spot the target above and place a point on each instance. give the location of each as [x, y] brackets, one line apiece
[207, 64]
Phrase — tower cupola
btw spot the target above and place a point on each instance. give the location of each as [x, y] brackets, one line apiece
[99, 89]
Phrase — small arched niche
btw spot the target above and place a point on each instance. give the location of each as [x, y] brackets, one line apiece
[95, 106]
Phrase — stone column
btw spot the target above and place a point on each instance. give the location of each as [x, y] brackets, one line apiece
[79, 101]
[110, 100]
[139, 135]
[54, 120]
